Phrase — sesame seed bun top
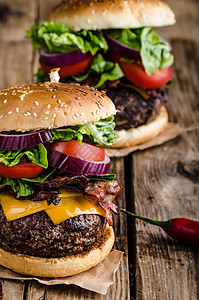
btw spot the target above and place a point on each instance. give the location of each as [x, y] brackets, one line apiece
[105, 14]
[51, 105]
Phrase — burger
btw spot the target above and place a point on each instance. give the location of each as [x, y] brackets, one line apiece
[125, 57]
[56, 193]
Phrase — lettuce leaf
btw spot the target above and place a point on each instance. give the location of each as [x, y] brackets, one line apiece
[37, 155]
[107, 70]
[154, 54]
[20, 186]
[17, 185]
[56, 38]
[100, 132]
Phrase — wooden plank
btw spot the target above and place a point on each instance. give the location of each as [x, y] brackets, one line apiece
[13, 289]
[166, 269]
[15, 50]
[166, 186]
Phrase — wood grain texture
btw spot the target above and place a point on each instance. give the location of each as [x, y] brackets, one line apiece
[166, 180]
[16, 51]
[13, 290]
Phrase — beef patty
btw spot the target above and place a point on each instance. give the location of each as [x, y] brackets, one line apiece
[36, 235]
[134, 109]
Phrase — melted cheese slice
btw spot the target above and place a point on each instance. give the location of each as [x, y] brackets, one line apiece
[71, 205]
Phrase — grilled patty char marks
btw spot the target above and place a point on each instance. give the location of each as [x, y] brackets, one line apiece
[36, 235]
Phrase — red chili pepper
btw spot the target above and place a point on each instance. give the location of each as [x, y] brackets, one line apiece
[181, 229]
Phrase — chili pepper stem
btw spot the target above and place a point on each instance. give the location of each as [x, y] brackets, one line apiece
[163, 224]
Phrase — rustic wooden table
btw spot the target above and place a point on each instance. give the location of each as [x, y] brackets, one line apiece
[162, 182]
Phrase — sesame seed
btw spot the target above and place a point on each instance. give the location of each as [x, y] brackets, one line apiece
[74, 117]
[2, 93]
[76, 114]
[78, 98]
[21, 97]
[47, 112]
[10, 112]
[54, 96]
[93, 113]
[64, 105]
[59, 101]
[55, 108]
[31, 91]
[48, 106]
[5, 101]
[82, 114]
[54, 115]
[37, 103]
[28, 113]
[46, 118]
[35, 114]
[17, 109]
[97, 112]
[1, 116]
[5, 93]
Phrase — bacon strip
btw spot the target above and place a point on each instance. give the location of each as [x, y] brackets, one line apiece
[98, 192]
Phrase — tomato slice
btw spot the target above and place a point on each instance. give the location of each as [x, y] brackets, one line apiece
[85, 151]
[70, 70]
[24, 169]
[135, 73]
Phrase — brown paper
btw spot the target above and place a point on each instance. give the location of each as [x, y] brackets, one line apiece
[171, 131]
[98, 279]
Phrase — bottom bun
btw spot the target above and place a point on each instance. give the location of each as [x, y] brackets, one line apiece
[63, 266]
[143, 133]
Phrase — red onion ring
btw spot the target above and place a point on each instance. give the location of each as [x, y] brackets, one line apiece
[77, 165]
[63, 59]
[23, 141]
[121, 49]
